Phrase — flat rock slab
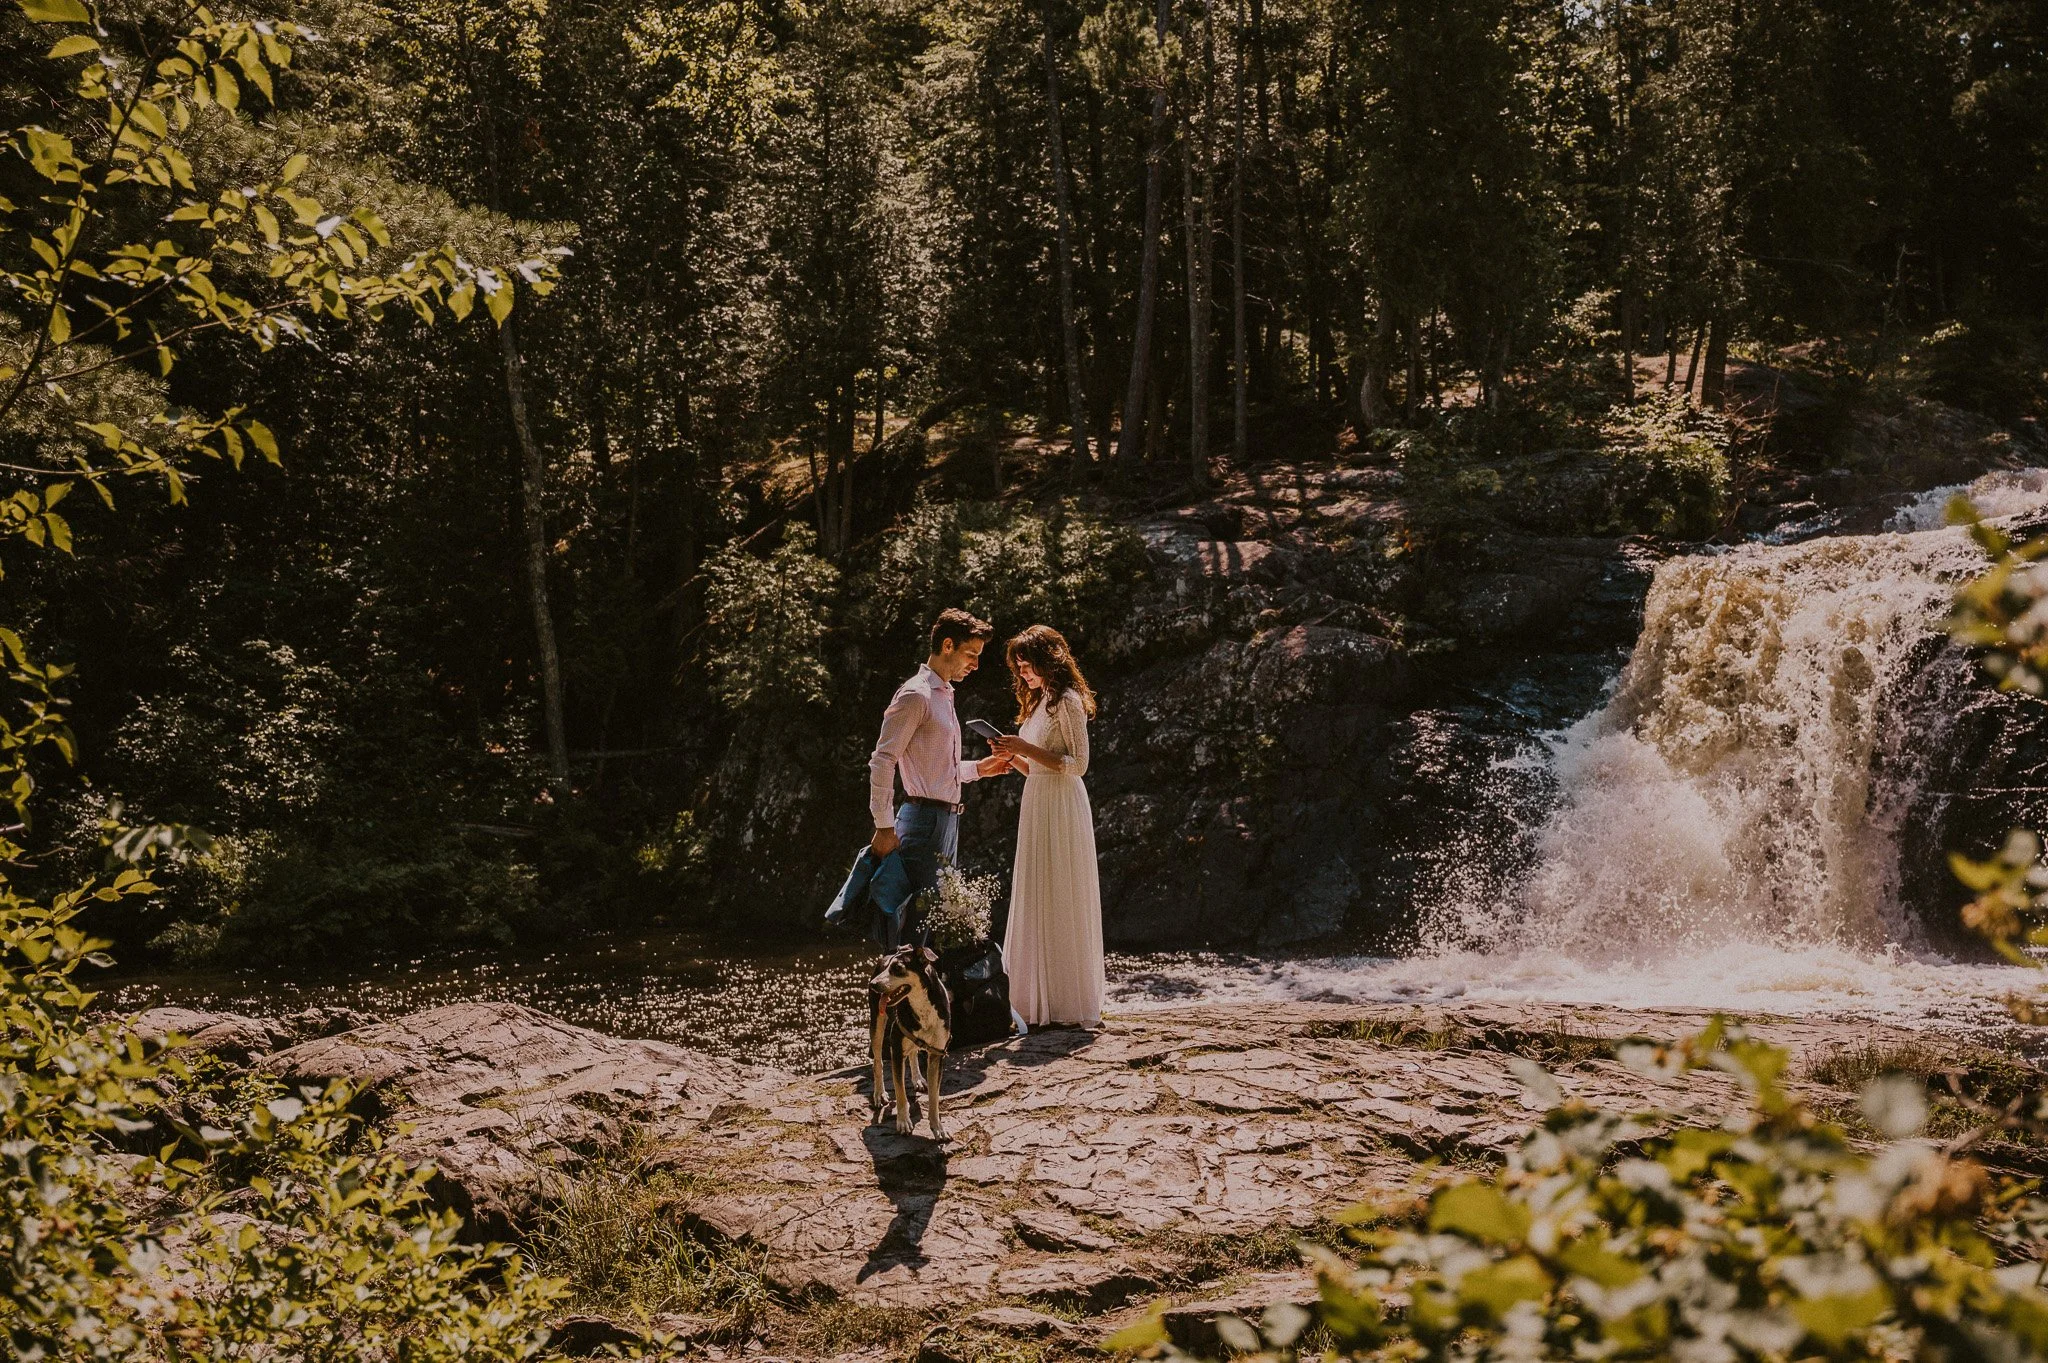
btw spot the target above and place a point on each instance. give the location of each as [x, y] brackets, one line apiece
[1076, 1158]
[505, 1100]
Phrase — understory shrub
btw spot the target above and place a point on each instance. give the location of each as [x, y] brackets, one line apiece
[274, 1226]
[1668, 468]
[1658, 466]
[357, 889]
[1013, 567]
[1986, 367]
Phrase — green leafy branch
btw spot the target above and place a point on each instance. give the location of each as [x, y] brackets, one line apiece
[1771, 1235]
[119, 144]
[2003, 612]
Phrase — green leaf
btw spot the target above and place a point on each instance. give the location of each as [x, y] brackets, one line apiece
[1237, 1336]
[250, 58]
[294, 167]
[72, 46]
[1481, 1212]
[1145, 1333]
[55, 12]
[1352, 1316]
[150, 119]
[1976, 875]
[1832, 1320]
[1498, 1287]
[60, 325]
[260, 436]
[499, 301]
[1596, 1264]
[226, 92]
[51, 155]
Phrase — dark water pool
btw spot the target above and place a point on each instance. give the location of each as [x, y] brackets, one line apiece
[797, 1008]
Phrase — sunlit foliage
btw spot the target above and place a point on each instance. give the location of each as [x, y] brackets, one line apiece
[1773, 1235]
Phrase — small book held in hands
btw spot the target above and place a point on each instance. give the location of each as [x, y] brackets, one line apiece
[981, 728]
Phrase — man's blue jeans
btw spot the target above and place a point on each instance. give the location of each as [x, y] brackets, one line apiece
[927, 833]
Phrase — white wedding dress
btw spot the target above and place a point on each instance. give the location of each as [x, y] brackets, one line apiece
[1053, 945]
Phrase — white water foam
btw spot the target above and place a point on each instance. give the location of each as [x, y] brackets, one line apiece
[1720, 840]
[2007, 492]
[1892, 985]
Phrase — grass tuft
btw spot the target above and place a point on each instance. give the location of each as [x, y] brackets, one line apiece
[824, 1327]
[1851, 1067]
[616, 1236]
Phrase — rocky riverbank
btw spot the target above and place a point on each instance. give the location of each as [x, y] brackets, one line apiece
[1173, 1155]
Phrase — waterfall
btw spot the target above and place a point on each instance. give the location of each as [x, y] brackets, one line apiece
[1726, 790]
[1724, 830]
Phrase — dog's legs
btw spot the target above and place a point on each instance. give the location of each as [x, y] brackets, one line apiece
[935, 1066]
[878, 1093]
[906, 1059]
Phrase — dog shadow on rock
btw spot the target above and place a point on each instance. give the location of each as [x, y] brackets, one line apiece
[911, 1172]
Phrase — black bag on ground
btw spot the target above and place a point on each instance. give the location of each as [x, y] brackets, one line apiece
[974, 975]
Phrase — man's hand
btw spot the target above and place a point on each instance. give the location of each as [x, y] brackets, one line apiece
[885, 842]
[993, 766]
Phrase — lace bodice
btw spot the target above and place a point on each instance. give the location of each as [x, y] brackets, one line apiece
[1061, 728]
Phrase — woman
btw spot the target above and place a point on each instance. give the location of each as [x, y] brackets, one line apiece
[1053, 946]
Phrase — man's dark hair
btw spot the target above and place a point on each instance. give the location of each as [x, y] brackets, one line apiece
[958, 626]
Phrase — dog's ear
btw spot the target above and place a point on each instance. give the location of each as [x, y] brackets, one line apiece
[930, 957]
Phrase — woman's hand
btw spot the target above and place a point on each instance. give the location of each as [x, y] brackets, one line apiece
[1014, 748]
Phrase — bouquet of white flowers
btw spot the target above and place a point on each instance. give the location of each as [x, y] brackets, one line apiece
[957, 912]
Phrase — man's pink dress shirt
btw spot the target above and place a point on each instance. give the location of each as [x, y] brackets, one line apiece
[921, 743]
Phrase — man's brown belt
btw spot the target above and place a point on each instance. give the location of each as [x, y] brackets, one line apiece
[929, 803]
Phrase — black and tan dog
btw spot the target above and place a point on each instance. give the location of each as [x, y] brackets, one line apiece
[910, 1010]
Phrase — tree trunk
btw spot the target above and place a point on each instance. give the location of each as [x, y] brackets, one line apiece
[1239, 416]
[1198, 232]
[1495, 371]
[1070, 335]
[846, 485]
[532, 469]
[1628, 345]
[1670, 356]
[1102, 370]
[1692, 365]
[532, 487]
[1625, 98]
[1128, 439]
[1198, 323]
[1372, 389]
[1714, 384]
[1205, 338]
[599, 418]
[1412, 399]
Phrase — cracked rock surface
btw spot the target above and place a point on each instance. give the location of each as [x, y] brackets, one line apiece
[1076, 1158]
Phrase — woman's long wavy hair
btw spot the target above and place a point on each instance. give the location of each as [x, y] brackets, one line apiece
[1045, 648]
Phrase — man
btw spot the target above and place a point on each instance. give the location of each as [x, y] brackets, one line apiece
[921, 743]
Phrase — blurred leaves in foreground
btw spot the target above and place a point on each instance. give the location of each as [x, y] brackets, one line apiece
[1771, 1235]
